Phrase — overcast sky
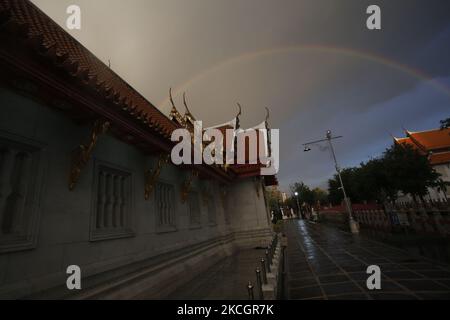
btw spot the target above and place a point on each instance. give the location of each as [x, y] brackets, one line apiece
[313, 62]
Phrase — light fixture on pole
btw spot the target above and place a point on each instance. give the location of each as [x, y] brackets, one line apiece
[329, 137]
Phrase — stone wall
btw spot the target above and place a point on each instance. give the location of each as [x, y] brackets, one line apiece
[126, 251]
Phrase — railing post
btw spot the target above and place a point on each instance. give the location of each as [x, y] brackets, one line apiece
[259, 283]
[250, 291]
[263, 270]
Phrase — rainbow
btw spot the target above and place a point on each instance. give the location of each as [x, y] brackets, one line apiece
[315, 48]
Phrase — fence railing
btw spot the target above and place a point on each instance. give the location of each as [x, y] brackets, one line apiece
[430, 217]
[268, 273]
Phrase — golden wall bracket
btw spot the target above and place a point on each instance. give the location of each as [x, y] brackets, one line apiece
[152, 176]
[187, 186]
[206, 195]
[83, 153]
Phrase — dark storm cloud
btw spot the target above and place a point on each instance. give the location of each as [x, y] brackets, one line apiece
[366, 134]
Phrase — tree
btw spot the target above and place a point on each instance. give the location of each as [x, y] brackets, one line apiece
[291, 202]
[320, 196]
[442, 186]
[408, 170]
[350, 178]
[445, 124]
[274, 198]
[400, 168]
[335, 195]
[374, 182]
[304, 193]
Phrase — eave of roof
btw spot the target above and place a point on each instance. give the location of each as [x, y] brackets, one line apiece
[440, 158]
[409, 142]
[432, 139]
[39, 39]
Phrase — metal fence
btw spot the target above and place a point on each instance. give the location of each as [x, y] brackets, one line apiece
[430, 217]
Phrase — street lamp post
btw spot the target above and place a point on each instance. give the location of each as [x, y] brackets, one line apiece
[353, 224]
[298, 205]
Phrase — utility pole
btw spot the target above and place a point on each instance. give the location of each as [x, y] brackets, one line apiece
[353, 224]
[298, 206]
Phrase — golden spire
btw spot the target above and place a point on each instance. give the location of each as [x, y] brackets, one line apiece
[267, 118]
[174, 114]
[238, 120]
[188, 115]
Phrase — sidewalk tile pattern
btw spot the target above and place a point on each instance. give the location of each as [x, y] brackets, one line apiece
[329, 264]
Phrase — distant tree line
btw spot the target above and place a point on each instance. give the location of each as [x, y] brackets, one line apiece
[274, 198]
[445, 124]
[401, 168]
[307, 195]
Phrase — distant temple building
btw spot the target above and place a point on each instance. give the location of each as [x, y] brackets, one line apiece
[436, 145]
[86, 177]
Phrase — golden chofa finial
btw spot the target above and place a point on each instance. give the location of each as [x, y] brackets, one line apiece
[240, 110]
[267, 118]
[188, 115]
[174, 114]
[171, 100]
[238, 121]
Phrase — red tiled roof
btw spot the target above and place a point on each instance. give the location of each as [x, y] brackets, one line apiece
[47, 38]
[433, 139]
[436, 142]
[440, 158]
[407, 141]
[80, 62]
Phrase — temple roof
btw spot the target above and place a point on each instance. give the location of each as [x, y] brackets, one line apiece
[434, 143]
[407, 141]
[35, 48]
[440, 158]
[432, 139]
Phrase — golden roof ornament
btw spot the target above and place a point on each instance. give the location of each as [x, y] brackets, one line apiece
[238, 122]
[174, 114]
[188, 117]
[267, 119]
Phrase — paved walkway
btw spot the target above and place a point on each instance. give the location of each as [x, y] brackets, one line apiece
[326, 263]
[226, 280]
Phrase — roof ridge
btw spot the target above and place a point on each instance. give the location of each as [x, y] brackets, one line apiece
[430, 130]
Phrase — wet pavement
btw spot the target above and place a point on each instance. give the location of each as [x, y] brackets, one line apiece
[434, 247]
[325, 263]
[226, 280]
